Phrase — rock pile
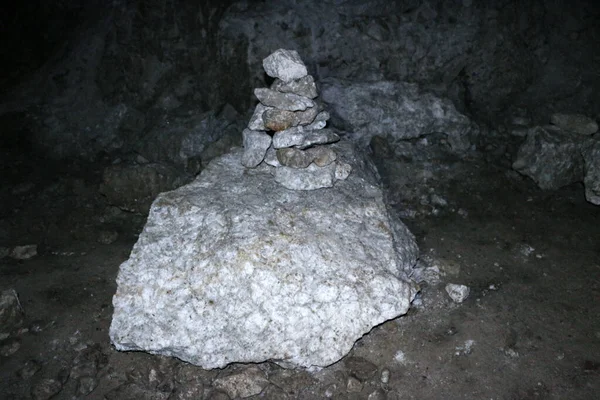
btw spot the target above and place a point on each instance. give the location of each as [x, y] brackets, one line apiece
[287, 131]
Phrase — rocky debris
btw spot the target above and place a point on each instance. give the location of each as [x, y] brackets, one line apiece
[591, 180]
[248, 382]
[458, 293]
[11, 313]
[551, 157]
[233, 268]
[285, 65]
[361, 368]
[46, 389]
[133, 187]
[296, 124]
[398, 110]
[575, 123]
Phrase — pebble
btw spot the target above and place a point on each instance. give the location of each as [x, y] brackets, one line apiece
[458, 293]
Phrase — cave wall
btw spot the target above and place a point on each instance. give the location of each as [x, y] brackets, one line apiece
[159, 77]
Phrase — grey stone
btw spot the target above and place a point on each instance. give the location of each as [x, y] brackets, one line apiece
[256, 121]
[256, 144]
[591, 180]
[551, 159]
[285, 65]
[304, 86]
[249, 382]
[236, 268]
[576, 123]
[271, 158]
[309, 178]
[283, 101]
[307, 116]
[458, 293]
[289, 137]
[353, 385]
[320, 121]
[401, 111]
[280, 120]
[322, 155]
[294, 158]
[321, 136]
[342, 170]
[360, 368]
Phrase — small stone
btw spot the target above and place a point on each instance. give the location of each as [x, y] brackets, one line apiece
[283, 101]
[385, 376]
[353, 385]
[285, 65]
[24, 252]
[321, 155]
[257, 120]
[361, 368]
[306, 117]
[576, 123]
[458, 293]
[294, 158]
[289, 137]
[342, 171]
[255, 147]
[46, 389]
[304, 86]
[309, 178]
[278, 120]
[271, 158]
[520, 120]
[377, 395]
[249, 382]
[520, 132]
[323, 136]
[319, 122]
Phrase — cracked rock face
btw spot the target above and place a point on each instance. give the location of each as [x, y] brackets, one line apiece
[234, 267]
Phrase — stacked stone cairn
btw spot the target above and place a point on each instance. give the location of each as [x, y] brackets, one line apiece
[287, 131]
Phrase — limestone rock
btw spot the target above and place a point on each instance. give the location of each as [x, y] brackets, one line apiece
[323, 136]
[283, 101]
[294, 158]
[257, 120]
[285, 65]
[246, 383]
[551, 158]
[576, 123]
[322, 155]
[288, 138]
[234, 267]
[591, 180]
[255, 147]
[271, 158]
[279, 120]
[320, 121]
[304, 86]
[401, 109]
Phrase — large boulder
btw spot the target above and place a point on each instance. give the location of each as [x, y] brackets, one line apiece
[551, 157]
[398, 110]
[234, 267]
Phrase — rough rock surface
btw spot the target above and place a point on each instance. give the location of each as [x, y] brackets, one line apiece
[551, 157]
[576, 123]
[256, 144]
[398, 109]
[591, 180]
[285, 65]
[236, 268]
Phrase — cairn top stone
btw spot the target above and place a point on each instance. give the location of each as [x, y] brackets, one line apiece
[285, 65]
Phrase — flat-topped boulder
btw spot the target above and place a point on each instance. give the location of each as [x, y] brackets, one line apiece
[235, 267]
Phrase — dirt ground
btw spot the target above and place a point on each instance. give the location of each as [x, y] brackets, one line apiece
[530, 328]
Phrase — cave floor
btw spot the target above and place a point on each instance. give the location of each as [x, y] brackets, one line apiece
[530, 328]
